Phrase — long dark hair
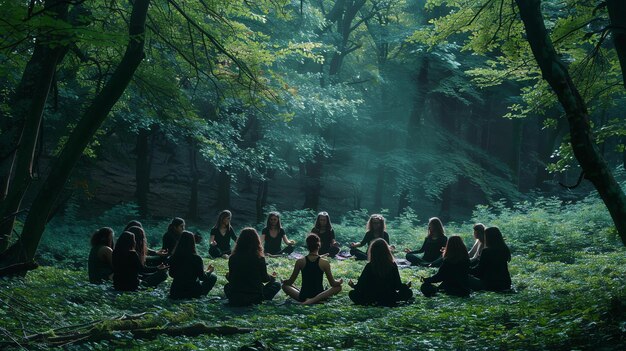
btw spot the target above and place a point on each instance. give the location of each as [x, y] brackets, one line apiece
[455, 250]
[435, 228]
[102, 236]
[313, 242]
[221, 216]
[479, 229]
[248, 243]
[269, 216]
[133, 223]
[175, 223]
[495, 241]
[185, 248]
[140, 242]
[380, 257]
[329, 226]
[125, 243]
[381, 219]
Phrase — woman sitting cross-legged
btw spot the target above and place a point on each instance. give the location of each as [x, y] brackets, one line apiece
[432, 246]
[453, 273]
[492, 270]
[220, 236]
[324, 229]
[127, 265]
[375, 228]
[380, 282]
[187, 269]
[99, 265]
[273, 234]
[150, 275]
[247, 271]
[313, 268]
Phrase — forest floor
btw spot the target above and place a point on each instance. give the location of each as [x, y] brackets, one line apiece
[568, 271]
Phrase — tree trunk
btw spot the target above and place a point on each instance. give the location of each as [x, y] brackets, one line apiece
[380, 188]
[142, 171]
[516, 151]
[617, 15]
[20, 139]
[418, 107]
[223, 190]
[313, 183]
[261, 200]
[403, 201]
[195, 181]
[446, 203]
[586, 151]
[24, 249]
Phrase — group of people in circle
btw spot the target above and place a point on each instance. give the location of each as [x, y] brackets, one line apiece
[131, 264]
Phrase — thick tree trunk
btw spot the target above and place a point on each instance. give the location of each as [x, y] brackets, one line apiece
[617, 15]
[19, 139]
[24, 249]
[142, 171]
[586, 151]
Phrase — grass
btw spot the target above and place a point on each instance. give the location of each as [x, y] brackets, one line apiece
[568, 270]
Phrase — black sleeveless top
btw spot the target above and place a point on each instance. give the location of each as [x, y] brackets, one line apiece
[312, 276]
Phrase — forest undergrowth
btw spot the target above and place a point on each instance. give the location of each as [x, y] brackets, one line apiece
[568, 271]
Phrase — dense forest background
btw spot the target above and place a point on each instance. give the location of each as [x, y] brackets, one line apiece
[323, 105]
[506, 112]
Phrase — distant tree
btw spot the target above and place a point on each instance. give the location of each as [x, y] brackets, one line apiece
[574, 27]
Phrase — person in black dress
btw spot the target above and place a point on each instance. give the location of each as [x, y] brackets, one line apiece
[170, 238]
[127, 265]
[187, 269]
[379, 283]
[492, 272]
[221, 234]
[150, 274]
[100, 266]
[313, 268]
[324, 229]
[453, 273]
[431, 248]
[153, 257]
[273, 234]
[375, 228]
[247, 271]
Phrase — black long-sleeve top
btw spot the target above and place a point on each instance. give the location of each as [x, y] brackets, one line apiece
[493, 270]
[187, 272]
[377, 289]
[170, 239]
[126, 269]
[453, 277]
[369, 236]
[223, 241]
[432, 248]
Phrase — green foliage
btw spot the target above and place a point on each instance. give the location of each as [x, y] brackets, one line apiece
[493, 29]
[568, 270]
